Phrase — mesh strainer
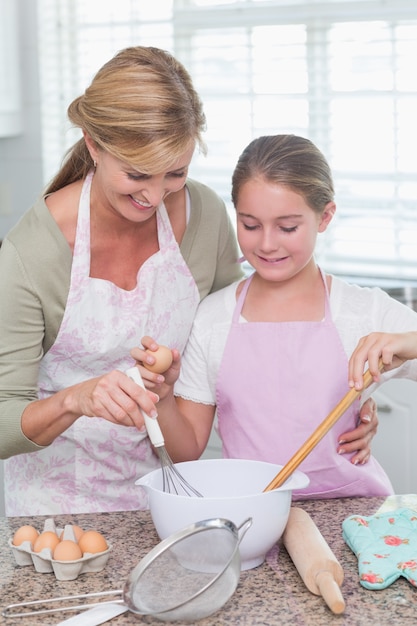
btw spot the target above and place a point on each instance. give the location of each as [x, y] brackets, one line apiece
[187, 576]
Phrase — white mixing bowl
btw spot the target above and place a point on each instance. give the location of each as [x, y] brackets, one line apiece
[231, 489]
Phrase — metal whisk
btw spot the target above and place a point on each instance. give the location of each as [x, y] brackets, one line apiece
[172, 479]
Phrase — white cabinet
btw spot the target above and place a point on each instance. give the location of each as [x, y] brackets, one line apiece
[214, 447]
[10, 96]
[395, 444]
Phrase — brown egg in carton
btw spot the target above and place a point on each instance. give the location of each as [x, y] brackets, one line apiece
[44, 562]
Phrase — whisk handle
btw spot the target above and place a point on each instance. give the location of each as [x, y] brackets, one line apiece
[151, 423]
[154, 430]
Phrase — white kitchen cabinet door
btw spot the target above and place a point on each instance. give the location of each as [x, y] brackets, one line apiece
[395, 444]
[214, 447]
[10, 94]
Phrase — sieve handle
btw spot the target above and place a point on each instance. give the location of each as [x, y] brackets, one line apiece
[95, 616]
[58, 605]
[244, 527]
[151, 423]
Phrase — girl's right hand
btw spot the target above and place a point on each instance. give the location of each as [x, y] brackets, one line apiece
[161, 384]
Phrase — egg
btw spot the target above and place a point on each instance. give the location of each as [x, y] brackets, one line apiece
[92, 541]
[78, 531]
[25, 533]
[163, 360]
[67, 550]
[47, 539]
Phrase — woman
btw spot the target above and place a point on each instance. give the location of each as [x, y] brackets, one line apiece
[121, 244]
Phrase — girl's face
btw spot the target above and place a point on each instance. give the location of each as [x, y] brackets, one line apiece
[276, 229]
[125, 191]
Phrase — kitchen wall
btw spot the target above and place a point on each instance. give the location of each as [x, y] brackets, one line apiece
[20, 155]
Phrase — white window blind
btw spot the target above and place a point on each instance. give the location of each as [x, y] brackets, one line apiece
[340, 73]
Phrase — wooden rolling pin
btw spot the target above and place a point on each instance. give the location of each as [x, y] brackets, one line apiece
[317, 565]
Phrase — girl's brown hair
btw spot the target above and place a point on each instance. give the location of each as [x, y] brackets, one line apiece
[288, 160]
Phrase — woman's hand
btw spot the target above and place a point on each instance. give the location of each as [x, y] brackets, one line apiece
[392, 348]
[359, 439]
[116, 398]
[113, 397]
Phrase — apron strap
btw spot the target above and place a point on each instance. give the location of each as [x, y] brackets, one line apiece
[241, 299]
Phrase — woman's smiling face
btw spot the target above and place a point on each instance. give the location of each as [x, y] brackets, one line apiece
[132, 194]
[276, 228]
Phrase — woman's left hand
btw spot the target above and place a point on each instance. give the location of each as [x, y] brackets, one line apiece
[359, 439]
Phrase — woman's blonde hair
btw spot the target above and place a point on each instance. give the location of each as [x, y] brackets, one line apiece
[142, 108]
[288, 160]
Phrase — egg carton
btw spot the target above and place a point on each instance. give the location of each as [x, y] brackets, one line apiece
[63, 570]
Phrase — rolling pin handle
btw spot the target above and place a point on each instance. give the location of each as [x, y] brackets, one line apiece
[330, 591]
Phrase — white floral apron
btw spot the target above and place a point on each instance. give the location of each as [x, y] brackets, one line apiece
[93, 465]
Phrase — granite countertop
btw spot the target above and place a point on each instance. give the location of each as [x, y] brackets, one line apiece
[271, 594]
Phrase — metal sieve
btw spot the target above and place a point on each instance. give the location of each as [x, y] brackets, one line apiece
[187, 577]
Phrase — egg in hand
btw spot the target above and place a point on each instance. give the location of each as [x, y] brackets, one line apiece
[163, 360]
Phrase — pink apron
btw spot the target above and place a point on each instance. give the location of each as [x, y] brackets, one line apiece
[273, 389]
[94, 464]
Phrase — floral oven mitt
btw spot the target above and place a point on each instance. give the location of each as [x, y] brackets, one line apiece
[385, 545]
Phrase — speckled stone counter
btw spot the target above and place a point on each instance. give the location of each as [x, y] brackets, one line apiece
[270, 595]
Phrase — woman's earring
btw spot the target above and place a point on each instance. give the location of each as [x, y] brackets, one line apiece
[95, 164]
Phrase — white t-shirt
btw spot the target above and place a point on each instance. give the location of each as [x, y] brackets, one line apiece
[356, 311]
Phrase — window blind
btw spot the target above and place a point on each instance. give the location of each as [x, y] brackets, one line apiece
[339, 73]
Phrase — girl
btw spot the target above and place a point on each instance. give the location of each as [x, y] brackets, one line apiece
[271, 352]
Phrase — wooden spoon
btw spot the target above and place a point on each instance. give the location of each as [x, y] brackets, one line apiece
[320, 431]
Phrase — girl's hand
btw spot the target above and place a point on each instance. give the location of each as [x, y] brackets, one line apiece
[359, 439]
[161, 384]
[393, 348]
